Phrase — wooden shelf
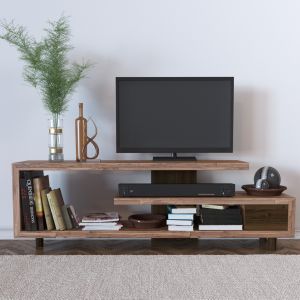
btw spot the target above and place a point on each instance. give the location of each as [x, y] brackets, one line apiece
[134, 165]
[241, 198]
[157, 233]
[280, 218]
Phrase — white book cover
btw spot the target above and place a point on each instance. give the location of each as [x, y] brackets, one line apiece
[180, 228]
[220, 227]
[179, 222]
[98, 224]
[184, 210]
[215, 206]
[180, 216]
[99, 228]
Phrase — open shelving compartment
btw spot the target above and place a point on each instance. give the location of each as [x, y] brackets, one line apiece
[279, 219]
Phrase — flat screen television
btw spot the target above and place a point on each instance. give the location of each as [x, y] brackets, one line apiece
[174, 114]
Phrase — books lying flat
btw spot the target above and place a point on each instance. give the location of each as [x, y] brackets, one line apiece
[180, 228]
[220, 227]
[101, 217]
[98, 224]
[115, 227]
[180, 222]
[215, 206]
[180, 216]
[184, 210]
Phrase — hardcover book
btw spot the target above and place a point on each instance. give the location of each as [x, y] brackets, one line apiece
[220, 227]
[180, 216]
[26, 215]
[180, 228]
[103, 224]
[227, 219]
[26, 178]
[115, 227]
[184, 210]
[101, 217]
[55, 203]
[214, 206]
[46, 208]
[66, 217]
[179, 222]
[73, 216]
[39, 184]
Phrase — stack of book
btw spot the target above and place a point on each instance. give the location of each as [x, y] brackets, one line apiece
[181, 218]
[220, 217]
[43, 208]
[101, 221]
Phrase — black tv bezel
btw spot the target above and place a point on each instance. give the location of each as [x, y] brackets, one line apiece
[173, 150]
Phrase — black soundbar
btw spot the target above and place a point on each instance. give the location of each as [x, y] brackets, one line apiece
[176, 190]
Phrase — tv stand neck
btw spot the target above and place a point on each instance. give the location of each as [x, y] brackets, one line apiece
[174, 157]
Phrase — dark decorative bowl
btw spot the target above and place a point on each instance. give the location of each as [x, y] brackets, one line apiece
[253, 191]
[147, 221]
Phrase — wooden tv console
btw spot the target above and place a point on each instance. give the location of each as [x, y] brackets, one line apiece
[266, 218]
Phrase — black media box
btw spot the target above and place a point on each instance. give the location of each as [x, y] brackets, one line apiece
[176, 190]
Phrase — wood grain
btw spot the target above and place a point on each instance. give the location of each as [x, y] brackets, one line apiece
[241, 198]
[16, 200]
[266, 217]
[158, 233]
[134, 165]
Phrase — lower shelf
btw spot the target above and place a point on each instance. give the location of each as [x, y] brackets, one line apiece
[157, 233]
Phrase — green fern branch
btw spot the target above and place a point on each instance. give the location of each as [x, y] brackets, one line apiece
[46, 65]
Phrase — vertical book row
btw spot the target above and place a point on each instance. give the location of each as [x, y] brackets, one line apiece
[43, 208]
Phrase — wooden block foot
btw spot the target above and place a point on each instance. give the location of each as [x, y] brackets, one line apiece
[268, 244]
[39, 243]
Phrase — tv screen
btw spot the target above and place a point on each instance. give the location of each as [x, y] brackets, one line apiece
[171, 114]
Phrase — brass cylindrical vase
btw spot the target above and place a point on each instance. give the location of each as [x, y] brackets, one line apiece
[81, 135]
[56, 138]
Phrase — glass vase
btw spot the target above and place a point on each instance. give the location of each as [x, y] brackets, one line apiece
[56, 138]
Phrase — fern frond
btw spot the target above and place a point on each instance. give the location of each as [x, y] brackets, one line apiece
[46, 64]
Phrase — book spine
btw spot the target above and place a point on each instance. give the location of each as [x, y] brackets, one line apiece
[39, 184]
[72, 217]
[46, 208]
[29, 187]
[66, 217]
[39, 211]
[56, 211]
[26, 218]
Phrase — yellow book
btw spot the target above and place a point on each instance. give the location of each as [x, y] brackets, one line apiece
[46, 209]
[55, 207]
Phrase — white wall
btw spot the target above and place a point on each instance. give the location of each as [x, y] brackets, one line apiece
[257, 42]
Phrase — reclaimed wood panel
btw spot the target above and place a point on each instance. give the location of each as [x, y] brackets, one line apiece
[241, 198]
[266, 217]
[134, 165]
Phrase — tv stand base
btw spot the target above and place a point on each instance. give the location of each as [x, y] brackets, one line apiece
[174, 157]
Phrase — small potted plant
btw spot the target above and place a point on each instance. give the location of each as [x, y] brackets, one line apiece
[48, 69]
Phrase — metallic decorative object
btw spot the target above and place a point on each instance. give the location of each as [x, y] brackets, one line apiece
[81, 135]
[91, 140]
[267, 178]
[82, 138]
[56, 138]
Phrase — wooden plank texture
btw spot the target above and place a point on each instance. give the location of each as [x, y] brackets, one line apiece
[158, 233]
[241, 198]
[266, 217]
[134, 165]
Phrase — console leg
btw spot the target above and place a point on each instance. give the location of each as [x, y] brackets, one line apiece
[39, 243]
[268, 243]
